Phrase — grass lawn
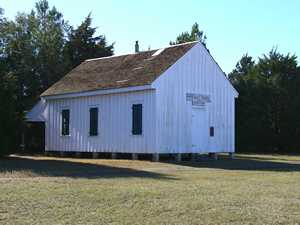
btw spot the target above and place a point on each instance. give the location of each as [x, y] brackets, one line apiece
[251, 189]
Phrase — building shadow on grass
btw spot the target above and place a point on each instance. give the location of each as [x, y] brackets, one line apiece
[249, 163]
[63, 168]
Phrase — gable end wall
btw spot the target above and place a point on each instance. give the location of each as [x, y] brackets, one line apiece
[195, 72]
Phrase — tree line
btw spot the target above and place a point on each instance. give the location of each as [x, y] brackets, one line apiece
[40, 47]
[36, 50]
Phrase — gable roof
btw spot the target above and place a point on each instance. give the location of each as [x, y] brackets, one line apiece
[119, 71]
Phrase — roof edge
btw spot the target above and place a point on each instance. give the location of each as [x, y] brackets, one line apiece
[98, 92]
[191, 42]
[236, 92]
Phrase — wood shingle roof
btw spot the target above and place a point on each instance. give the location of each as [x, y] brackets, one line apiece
[119, 71]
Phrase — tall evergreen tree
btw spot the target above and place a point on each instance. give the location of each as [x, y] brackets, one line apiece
[242, 68]
[195, 35]
[268, 103]
[83, 44]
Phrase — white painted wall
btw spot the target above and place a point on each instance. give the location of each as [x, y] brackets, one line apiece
[115, 123]
[195, 72]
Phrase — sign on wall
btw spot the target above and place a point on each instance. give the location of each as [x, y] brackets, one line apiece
[197, 99]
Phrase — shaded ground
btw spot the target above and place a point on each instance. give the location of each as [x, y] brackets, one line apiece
[252, 189]
[251, 163]
[71, 168]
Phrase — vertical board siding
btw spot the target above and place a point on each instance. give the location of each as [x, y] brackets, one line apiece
[114, 124]
[166, 113]
[195, 72]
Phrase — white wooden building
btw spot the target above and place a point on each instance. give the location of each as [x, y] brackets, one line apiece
[171, 100]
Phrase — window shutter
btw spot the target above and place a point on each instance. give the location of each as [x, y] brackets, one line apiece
[93, 121]
[212, 131]
[137, 119]
[65, 122]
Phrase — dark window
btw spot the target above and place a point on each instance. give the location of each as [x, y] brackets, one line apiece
[137, 119]
[93, 121]
[65, 125]
[211, 131]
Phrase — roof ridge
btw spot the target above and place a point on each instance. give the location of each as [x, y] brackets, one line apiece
[113, 56]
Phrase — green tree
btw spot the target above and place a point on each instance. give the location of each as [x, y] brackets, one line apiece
[268, 103]
[281, 73]
[48, 36]
[83, 44]
[32, 51]
[7, 113]
[195, 35]
[7, 98]
[33, 46]
[242, 68]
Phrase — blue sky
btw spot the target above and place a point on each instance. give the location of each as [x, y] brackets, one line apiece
[233, 28]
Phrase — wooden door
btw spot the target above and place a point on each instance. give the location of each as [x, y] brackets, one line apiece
[199, 129]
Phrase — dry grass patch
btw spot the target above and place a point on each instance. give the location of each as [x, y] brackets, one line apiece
[252, 189]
